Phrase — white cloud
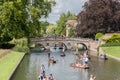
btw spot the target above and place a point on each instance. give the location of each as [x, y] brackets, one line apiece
[62, 6]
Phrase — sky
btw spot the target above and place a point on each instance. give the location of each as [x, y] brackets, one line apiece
[63, 6]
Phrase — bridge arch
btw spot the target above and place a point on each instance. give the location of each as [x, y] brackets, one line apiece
[62, 44]
[84, 46]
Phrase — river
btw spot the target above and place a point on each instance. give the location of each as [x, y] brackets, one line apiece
[29, 68]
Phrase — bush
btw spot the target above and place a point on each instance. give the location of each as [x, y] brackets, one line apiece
[114, 39]
[6, 46]
[21, 49]
[21, 45]
[98, 35]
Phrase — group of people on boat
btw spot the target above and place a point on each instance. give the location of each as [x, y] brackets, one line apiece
[43, 76]
[83, 62]
[51, 59]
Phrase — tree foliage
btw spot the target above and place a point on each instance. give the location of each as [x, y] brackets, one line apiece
[10, 20]
[51, 29]
[44, 26]
[99, 16]
[61, 23]
[115, 38]
[21, 18]
[71, 32]
[98, 35]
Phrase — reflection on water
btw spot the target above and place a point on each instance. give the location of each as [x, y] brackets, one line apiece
[30, 68]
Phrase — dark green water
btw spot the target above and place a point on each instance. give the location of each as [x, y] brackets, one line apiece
[30, 68]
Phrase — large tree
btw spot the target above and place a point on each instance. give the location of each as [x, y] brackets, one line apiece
[99, 16]
[21, 18]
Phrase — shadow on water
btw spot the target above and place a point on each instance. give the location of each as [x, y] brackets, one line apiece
[30, 67]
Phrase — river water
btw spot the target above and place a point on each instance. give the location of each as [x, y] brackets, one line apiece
[29, 68]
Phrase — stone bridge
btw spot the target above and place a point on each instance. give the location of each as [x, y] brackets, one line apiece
[69, 43]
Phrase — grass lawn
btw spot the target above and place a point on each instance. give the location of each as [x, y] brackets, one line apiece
[114, 51]
[8, 64]
[3, 52]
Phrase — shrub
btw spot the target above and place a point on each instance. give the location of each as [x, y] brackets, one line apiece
[114, 39]
[6, 46]
[98, 35]
[21, 45]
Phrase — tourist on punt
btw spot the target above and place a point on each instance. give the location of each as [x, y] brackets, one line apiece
[49, 54]
[40, 77]
[43, 69]
[51, 77]
[92, 77]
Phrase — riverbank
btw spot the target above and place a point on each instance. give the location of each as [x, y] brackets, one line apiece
[9, 63]
[3, 52]
[113, 52]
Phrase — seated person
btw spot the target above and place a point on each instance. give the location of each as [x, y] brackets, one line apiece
[92, 77]
[78, 64]
[105, 57]
[62, 54]
[51, 77]
[52, 60]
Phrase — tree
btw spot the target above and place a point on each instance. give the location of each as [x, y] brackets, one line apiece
[61, 23]
[12, 20]
[98, 35]
[71, 32]
[99, 16]
[51, 29]
[20, 18]
[44, 26]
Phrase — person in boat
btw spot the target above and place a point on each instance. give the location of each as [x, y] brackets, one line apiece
[51, 77]
[62, 54]
[76, 53]
[77, 64]
[45, 78]
[43, 69]
[52, 60]
[40, 77]
[105, 57]
[86, 54]
[85, 62]
[92, 77]
[49, 54]
[101, 56]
